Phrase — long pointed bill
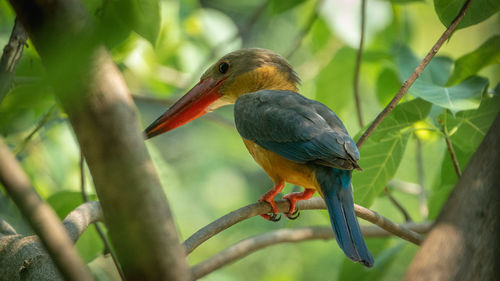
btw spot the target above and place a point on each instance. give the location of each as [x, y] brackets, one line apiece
[191, 106]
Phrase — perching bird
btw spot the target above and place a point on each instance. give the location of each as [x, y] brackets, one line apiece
[294, 139]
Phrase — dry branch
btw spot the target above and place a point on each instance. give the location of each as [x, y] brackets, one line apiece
[416, 73]
[41, 218]
[252, 244]
[255, 209]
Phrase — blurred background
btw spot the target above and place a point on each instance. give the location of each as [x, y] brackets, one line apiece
[205, 169]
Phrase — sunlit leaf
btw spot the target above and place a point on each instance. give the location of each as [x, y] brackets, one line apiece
[89, 245]
[430, 85]
[382, 152]
[479, 10]
[488, 53]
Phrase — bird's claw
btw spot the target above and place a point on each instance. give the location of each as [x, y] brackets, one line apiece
[294, 215]
[271, 217]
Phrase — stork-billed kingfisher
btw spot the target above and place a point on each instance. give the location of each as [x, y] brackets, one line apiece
[294, 139]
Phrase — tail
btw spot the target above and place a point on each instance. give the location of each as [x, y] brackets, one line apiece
[337, 192]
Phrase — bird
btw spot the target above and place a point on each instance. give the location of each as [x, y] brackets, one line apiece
[293, 138]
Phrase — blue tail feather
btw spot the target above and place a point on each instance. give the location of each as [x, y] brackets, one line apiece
[337, 192]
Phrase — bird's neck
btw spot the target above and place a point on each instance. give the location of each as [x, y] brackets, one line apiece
[262, 78]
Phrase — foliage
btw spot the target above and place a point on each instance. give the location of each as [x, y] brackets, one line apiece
[161, 47]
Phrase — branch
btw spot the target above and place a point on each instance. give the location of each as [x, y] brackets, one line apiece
[98, 228]
[92, 92]
[397, 205]
[251, 210]
[6, 228]
[41, 217]
[357, 68]
[454, 159]
[416, 73]
[81, 218]
[12, 53]
[252, 244]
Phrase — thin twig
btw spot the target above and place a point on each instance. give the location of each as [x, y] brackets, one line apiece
[454, 159]
[400, 207]
[422, 197]
[416, 73]
[98, 228]
[297, 41]
[357, 68]
[12, 53]
[251, 210]
[6, 228]
[45, 118]
[41, 217]
[252, 244]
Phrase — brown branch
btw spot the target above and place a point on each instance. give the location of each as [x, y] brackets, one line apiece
[251, 210]
[41, 217]
[252, 244]
[12, 53]
[297, 41]
[92, 92]
[6, 228]
[416, 73]
[357, 68]
[100, 232]
[397, 205]
[454, 158]
[81, 218]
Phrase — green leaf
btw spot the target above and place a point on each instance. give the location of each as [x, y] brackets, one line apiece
[403, 1]
[334, 82]
[469, 64]
[387, 85]
[479, 10]
[89, 245]
[119, 18]
[429, 86]
[467, 130]
[280, 6]
[382, 152]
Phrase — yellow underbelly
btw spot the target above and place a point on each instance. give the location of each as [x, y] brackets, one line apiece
[281, 169]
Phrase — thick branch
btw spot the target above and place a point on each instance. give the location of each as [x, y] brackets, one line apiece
[41, 218]
[12, 53]
[80, 218]
[6, 228]
[249, 211]
[98, 103]
[416, 73]
[252, 244]
[464, 244]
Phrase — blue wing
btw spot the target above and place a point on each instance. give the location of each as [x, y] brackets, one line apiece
[297, 128]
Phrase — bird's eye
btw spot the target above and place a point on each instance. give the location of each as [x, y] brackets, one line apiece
[223, 67]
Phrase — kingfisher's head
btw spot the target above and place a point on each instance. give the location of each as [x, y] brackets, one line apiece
[237, 73]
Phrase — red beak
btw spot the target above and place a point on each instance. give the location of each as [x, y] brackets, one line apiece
[191, 106]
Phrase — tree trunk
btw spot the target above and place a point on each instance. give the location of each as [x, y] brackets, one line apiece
[464, 243]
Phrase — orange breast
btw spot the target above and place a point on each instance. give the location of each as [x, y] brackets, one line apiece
[282, 169]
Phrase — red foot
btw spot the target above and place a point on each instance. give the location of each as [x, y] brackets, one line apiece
[269, 198]
[294, 197]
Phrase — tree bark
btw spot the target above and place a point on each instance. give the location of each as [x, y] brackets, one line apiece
[100, 109]
[464, 243]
